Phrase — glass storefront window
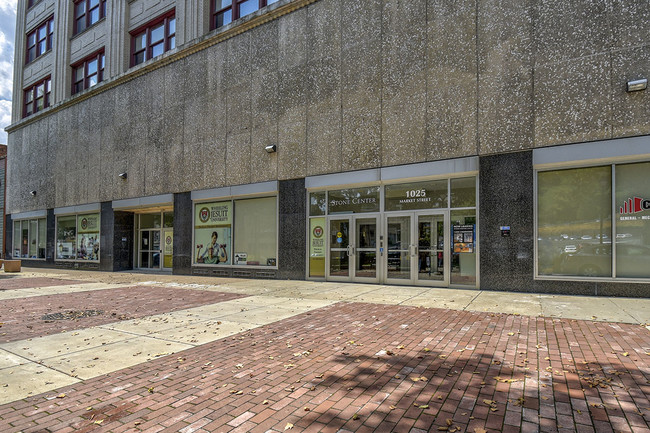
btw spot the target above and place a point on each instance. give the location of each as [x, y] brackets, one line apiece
[317, 204]
[633, 220]
[88, 237]
[29, 239]
[317, 247]
[256, 232]
[574, 217]
[418, 195]
[353, 200]
[463, 192]
[66, 235]
[213, 233]
[463, 247]
[168, 219]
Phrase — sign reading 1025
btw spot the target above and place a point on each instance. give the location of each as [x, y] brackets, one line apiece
[414, 193]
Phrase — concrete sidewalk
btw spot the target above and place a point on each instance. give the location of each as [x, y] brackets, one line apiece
[609, 309]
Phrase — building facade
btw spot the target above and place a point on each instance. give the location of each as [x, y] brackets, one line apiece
[500, 145]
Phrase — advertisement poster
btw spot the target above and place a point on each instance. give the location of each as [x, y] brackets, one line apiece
[212, 233]
[168, 247]
[463, 238]
[88, 237]
[317, 247]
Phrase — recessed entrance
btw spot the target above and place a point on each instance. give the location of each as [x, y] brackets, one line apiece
[155, 240]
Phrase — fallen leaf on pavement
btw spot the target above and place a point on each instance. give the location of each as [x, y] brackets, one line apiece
[289, 426]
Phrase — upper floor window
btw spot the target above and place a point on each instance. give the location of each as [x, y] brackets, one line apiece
[87, 13]
[226, 11]
[88, 72]
[31, 3]
[37, 97]
[39, 40]
[153, 39]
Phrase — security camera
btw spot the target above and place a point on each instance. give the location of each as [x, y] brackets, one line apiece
[122, 175]
[33, 193]
[270, 148]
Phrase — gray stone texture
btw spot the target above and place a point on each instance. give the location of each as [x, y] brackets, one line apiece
[343, 85]
[182, 260]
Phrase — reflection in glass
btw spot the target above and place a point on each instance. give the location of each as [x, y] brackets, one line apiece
[248, 7]
[463, 192]
[633, 220]
[42, 228]
[339, 264]
[366, 247]
[463, 251]
[339, 241]
[317, 203]
[431, 235]
[33, 232]
[574, 215]
[354, 200]
[417, 195]
[339, 233]
[66, 231]
[398, 247]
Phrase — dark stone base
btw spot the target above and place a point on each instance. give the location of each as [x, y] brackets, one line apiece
[271, 274]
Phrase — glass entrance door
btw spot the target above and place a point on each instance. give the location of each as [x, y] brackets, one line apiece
[416, 249]
[150, 249]
[353, 249]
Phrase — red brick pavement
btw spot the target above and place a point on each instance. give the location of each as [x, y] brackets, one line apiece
[10, 282]
[364, 368]
[22, 318]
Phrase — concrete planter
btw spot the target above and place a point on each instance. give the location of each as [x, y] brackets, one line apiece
[12, 265]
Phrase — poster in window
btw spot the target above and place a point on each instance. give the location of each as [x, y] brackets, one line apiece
[463, 236]
[212, 233]
[88, 237]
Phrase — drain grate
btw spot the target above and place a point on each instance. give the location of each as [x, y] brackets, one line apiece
[71, 315]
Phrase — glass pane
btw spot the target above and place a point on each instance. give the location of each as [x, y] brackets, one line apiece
[42, 47]
[88, 237]
[17, 240]
[144, 260]
[80, 9]
[155, 240]
[317, 203]
[33, 234]
[354, 200]
[256, 231]
[92, 67]
[39, 104]
[339, 264]
[317, 247]
[92, 80]
[31, 39]
[220, 4]
[463, 250]
[574, 215]
[79, 74]
[248, 7]
[339, 233]
[93, 3]
[268, 2]
[420, 195]
[144, 240]
[140, 41]
[168, 219]
[633, 220]
[172, 26]
[42, 237]
[398, 247]
[139, 58]
[42, 33]
[155, 260]
[172, 42]
[101, 61]
[213, 233]
[223, 18]
[66, 231]
[158, 33]
[157, 49]
[24, 236]
[366, 243]
[431, 253]
[94, 16]
[463, 192]
[150, 221]
[81, 24]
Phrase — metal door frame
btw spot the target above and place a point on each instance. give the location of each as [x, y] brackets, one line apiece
[352, 253]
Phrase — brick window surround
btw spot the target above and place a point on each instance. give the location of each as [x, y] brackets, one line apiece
[37, 96]
[39, 40]
[88, 72]
[153, 39]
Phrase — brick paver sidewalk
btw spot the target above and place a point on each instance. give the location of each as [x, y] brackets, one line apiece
[12, 283]
[362, 368]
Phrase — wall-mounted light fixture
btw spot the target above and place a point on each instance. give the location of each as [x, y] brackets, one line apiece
[636, 85]
[122, 175]
[270, 148]
[33, 193]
